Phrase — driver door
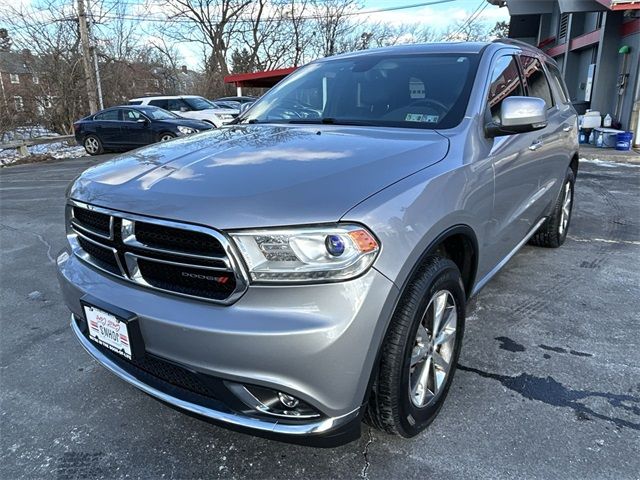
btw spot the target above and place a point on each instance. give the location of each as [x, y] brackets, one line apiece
[136, 128]
[516, 170]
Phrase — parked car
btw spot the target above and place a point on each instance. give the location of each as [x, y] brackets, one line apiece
[310, 267]
[230, 104]
[124, 128]
[239, 99]
[190, 106]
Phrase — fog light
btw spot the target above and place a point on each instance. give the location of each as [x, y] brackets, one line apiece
[287, 400]
[272, 402]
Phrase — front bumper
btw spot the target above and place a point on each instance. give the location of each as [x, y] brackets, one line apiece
[316, 342]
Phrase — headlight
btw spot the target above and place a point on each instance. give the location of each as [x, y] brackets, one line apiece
[307, 254]
[225, 116]
[186, 130]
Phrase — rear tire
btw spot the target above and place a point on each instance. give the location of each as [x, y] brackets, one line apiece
[93, 145]
[411, 383]
[553, 231]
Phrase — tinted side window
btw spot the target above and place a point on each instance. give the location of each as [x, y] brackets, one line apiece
[556, 79]
[135, 102]
[175, 104]
[131, 115]
[536, 79]
[505, 82]
[108, 115]
[160, 103]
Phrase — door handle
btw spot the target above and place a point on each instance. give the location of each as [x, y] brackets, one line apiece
[535, 145]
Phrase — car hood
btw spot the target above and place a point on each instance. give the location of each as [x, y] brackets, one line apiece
[259, 175]
[187, 122]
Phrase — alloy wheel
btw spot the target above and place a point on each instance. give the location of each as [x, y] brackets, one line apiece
[566, 209]
[433, 349]
[92, 145]
[166, 137]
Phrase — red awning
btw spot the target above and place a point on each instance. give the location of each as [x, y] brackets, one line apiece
[259, 79]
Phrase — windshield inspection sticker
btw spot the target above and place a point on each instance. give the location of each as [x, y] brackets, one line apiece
[420, 117]
[414, 117]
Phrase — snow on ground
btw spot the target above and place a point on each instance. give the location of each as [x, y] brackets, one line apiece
[607, 163]
[54, 150]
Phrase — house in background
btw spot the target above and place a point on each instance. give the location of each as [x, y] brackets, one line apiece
[23, 91]
[596, 44]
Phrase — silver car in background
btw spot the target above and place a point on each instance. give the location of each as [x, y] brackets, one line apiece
[308, 267]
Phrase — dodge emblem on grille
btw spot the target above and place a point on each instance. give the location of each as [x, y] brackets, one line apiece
[199, 276]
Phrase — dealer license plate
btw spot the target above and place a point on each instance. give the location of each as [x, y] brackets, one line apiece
[107, 330]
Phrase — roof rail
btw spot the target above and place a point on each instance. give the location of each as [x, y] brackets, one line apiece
[513, 41]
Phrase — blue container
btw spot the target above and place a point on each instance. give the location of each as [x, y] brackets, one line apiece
[623, 141]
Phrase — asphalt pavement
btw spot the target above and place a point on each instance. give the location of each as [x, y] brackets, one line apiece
[548, 385]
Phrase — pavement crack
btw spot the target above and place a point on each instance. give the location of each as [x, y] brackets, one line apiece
[37, 235]
[365, 453]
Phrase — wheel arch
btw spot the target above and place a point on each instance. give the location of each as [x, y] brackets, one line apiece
[460, 235]
[573, 165]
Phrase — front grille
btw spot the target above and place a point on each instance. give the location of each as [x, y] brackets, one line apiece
[185, 241]
[92, 220]
[199, 282]
[103, 255]
[178, 258]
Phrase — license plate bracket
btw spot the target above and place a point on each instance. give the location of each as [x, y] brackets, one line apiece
[113, 328]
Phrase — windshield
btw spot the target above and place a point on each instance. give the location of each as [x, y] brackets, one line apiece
[416, 91]
[160, 114]
[199, 103]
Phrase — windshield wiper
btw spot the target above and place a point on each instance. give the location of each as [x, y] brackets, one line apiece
[329, 121]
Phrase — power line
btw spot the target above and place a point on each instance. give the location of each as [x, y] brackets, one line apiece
[470, 20]
[150, 18]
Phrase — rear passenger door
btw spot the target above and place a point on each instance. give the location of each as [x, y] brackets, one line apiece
[108, 126]
[550, 148]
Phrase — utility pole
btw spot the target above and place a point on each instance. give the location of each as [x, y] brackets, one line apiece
[89, 73]
[95, 62]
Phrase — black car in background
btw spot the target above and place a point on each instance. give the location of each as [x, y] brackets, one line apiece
[124, 128]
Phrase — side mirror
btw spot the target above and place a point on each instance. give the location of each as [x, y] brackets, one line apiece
[519, 115]
[184, 109]
[142, 120]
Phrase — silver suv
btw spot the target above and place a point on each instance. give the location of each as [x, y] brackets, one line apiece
[308, 267]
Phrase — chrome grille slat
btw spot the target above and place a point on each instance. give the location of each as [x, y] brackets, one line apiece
[217, 277]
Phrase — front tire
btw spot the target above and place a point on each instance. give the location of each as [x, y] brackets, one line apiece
[420, 351]
[93, 145]
[166, 136]
[553, 231]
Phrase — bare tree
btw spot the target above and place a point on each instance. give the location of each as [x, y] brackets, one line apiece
[217, 23]
[335, 25]
[500, 30]
[5, 40]
[52, 41]
[466, 31]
